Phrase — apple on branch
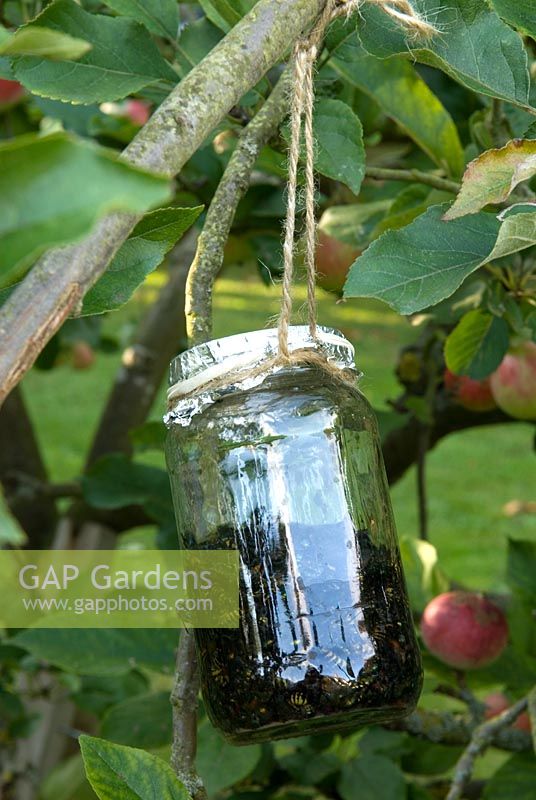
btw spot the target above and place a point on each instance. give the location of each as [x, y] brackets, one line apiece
[468, 393]
[333, 260]
[464, 629]
[10, 93]
[513, 384]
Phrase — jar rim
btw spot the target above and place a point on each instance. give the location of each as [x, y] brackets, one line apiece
[204, 362]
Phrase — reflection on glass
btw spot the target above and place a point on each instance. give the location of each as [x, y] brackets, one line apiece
[290, 474]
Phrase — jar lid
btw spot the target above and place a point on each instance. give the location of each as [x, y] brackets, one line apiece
[209, 361]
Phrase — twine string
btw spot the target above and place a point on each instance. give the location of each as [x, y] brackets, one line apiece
[301, 119]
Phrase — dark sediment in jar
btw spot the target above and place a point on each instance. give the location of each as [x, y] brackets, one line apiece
[326, 639]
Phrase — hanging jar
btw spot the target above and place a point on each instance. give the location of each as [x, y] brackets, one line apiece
[284, 465]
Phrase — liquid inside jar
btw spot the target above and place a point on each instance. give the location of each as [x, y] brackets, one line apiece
[290, 474]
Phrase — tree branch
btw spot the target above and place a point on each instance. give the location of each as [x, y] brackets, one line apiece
[400, 446]
[413, 176]
[220, 216]
[455, 729]
[482, 737]
[56, 285]
[184, 704]
[20, 455]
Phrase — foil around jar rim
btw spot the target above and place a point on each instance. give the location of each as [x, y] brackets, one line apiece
[195, 368]
[202, 357]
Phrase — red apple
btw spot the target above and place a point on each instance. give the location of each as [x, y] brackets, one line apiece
[496, 703]
[464, 630]
[514, 383]
[10, 92]
[138, 111]
[471, 394]
[333, 260]
[82, 355]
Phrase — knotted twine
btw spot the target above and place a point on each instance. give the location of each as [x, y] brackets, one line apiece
[301, 119]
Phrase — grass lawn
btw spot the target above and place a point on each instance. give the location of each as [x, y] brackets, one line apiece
[471, 475]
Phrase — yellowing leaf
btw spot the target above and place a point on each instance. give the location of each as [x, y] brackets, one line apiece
[491, 177]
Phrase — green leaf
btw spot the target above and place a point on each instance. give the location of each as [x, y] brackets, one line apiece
[98, 693]
[114, 482]
[158, 16]
[226, 13]
[124, 773]
[518, 230]
[409, 204]
[195, 41]
[101, 652]
[123, 58]
[144, 251]
[67, 781]
[477, 345]
[36, 41]
[353, 223]
[515, 780]
[521, 567]
[54, 188]
[374, 777]
[340, 153]
[6, 71]
[473, 46]
[10, 531]
[219, 763]
[491, 177]
[403, 95]
[423, 263]
[149, 436]
[430, 758]
[143, 721]
[520, 15]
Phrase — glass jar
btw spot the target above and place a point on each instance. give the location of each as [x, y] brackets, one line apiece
[286, 467]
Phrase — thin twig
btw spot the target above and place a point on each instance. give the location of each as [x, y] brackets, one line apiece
[221, 213]
[464, 695]
[413, 176]
[27, 487]
[458, 729]
[422, 451]
[483, 736]
[497, 123]
[184, 704]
